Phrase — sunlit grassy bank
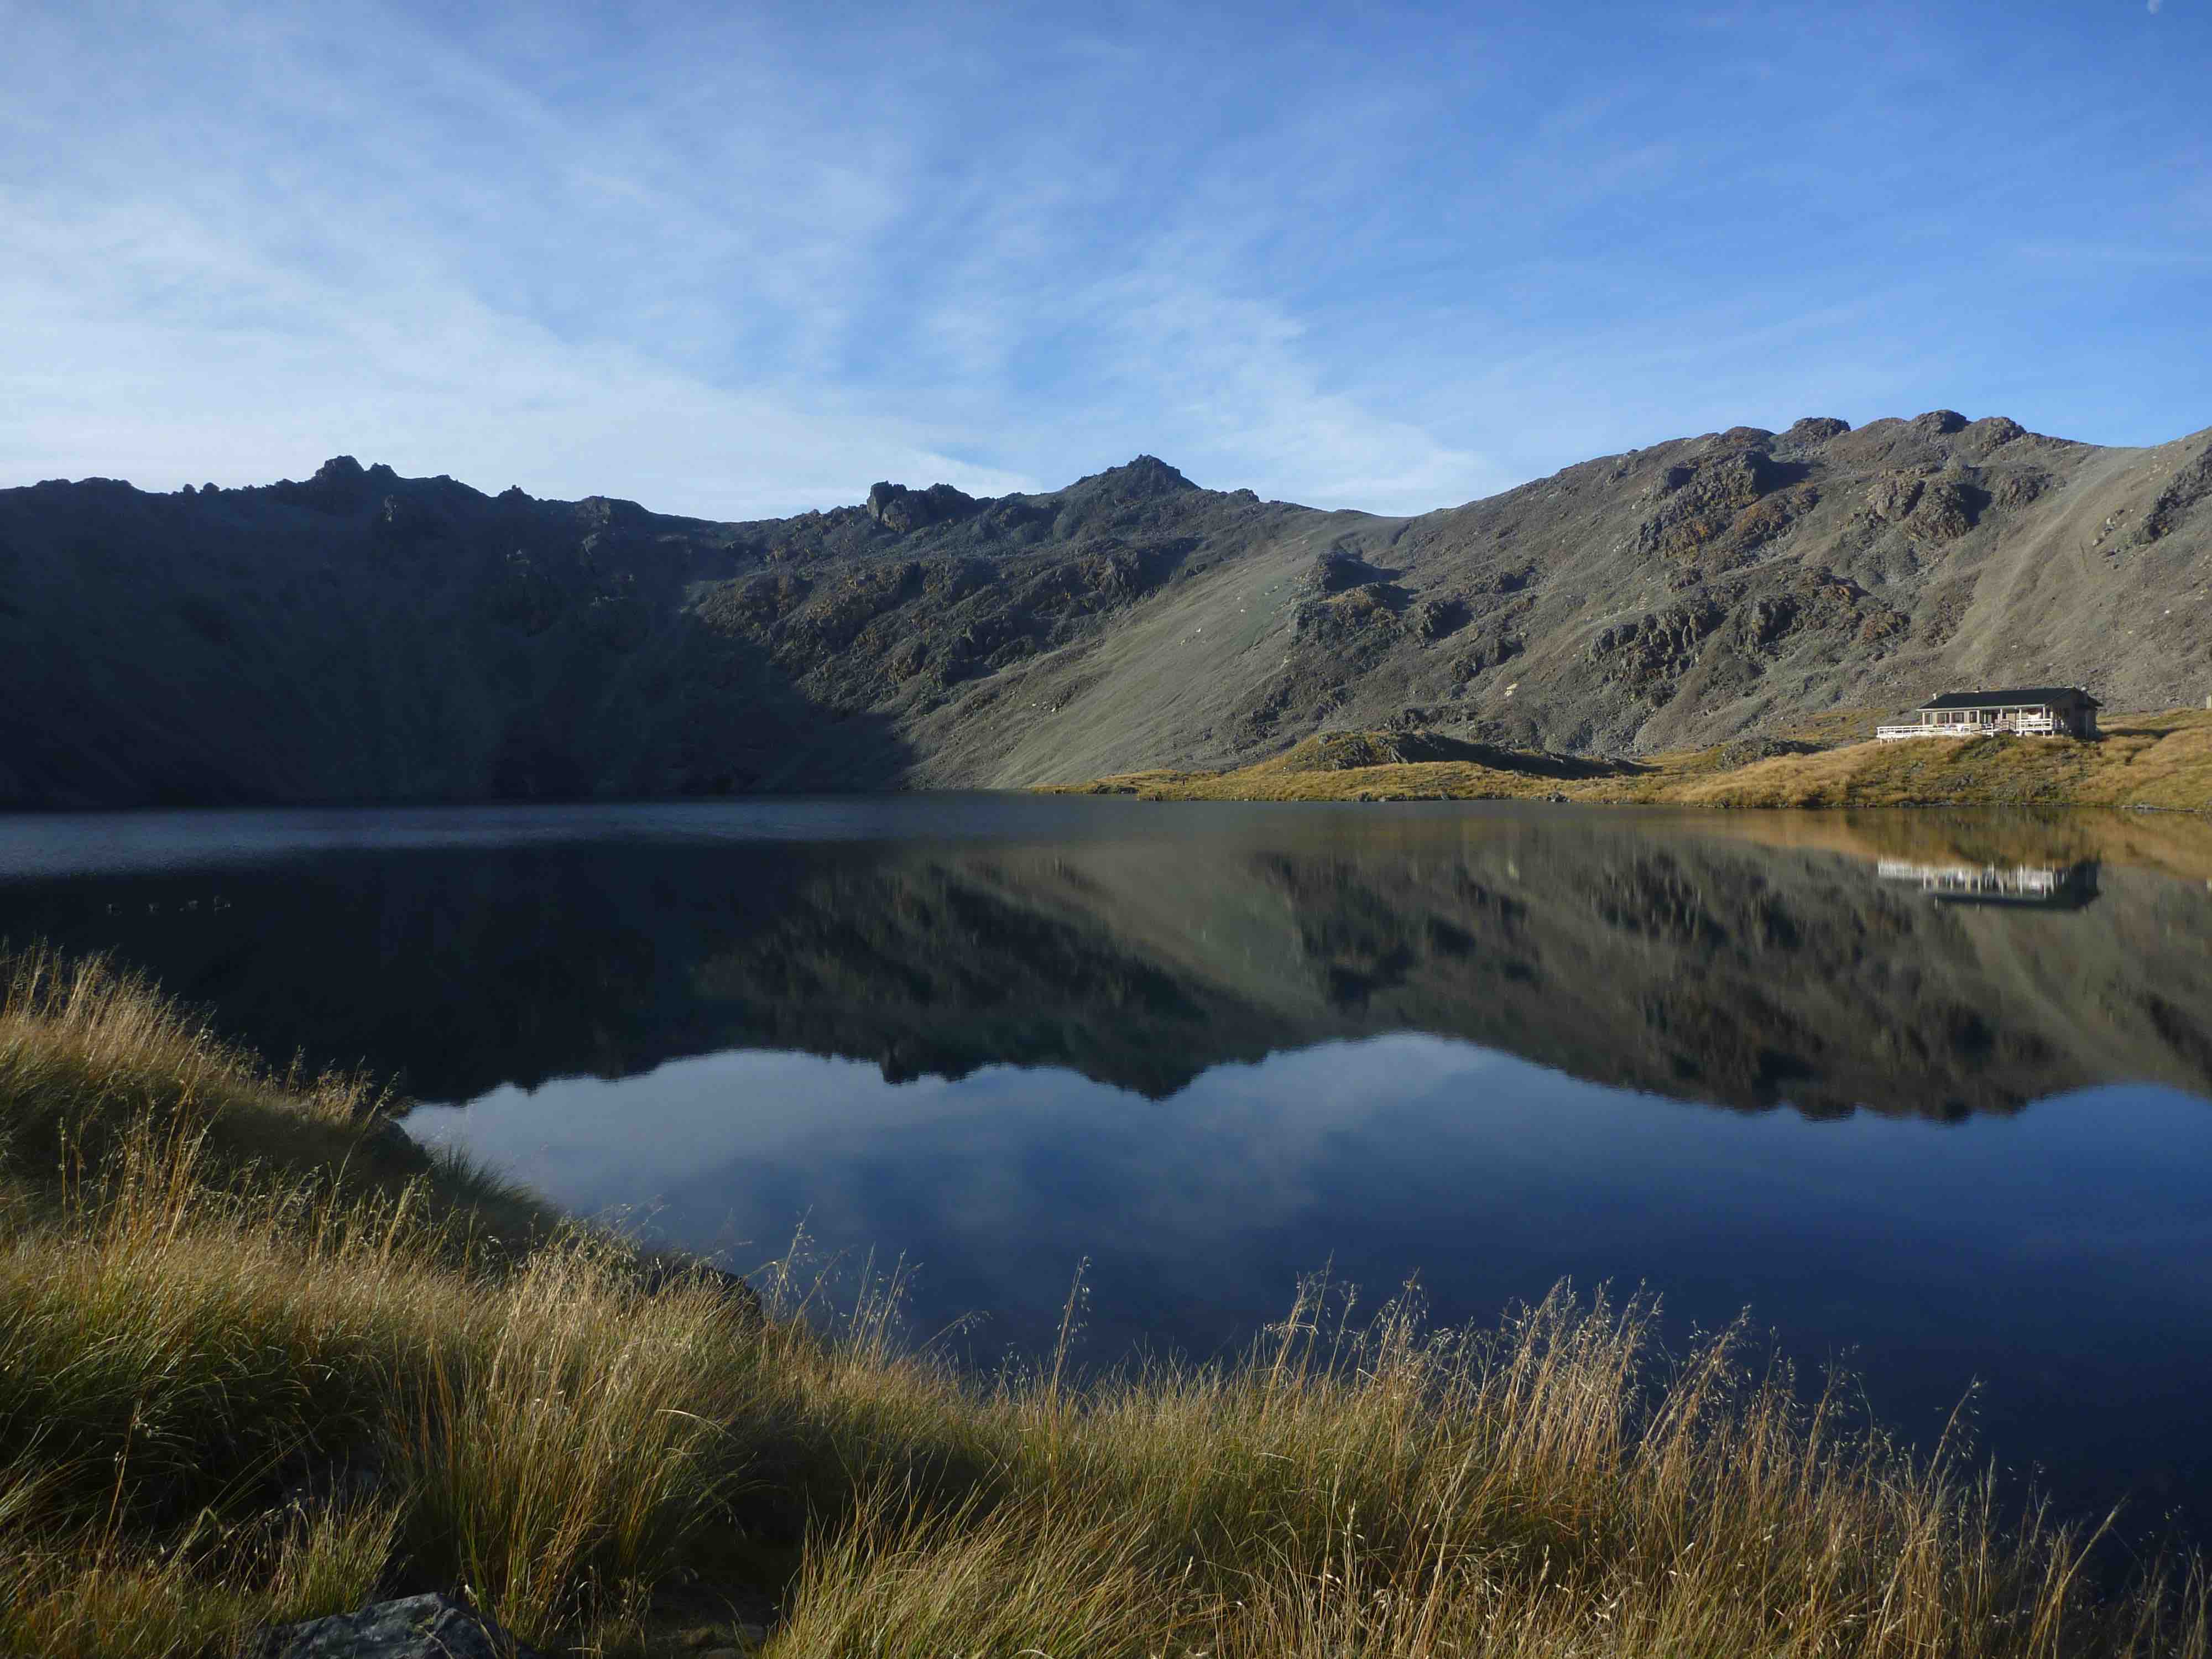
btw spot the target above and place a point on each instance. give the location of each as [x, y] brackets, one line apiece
[2160, 760]
[259, 1361]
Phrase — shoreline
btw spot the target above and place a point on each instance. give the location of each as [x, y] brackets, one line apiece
[2158, 762]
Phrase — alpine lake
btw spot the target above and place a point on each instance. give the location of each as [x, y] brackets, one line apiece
[1926, 1097]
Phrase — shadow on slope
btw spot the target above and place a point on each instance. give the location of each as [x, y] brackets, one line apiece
[363, 637]
[1345, 752]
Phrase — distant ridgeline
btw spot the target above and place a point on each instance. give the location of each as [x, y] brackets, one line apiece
[362, 636]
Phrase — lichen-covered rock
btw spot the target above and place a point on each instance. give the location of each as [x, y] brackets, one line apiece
[433, 1626]
[1947, 510]
[2015, 488]
[1894, 495]
[1764, 622]
[1813, 430]
[2191, 482]
[1770, 519]
[1647, 656]
[1991, 432]
[1702, 498]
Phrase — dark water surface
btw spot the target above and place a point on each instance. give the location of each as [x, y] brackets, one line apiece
[1928, 1093]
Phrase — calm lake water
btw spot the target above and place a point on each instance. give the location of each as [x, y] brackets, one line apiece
[1928, 1094]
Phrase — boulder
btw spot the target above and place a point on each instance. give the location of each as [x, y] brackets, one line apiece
[1894, 495]
[433, 1626]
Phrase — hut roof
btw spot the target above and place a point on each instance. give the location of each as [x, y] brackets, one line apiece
[2034, 696]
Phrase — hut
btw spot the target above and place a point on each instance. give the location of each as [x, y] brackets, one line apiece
[2040, 711]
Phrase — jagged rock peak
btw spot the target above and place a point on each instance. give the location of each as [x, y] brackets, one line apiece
[338, 486]
[900, 509]
[611, 510]
[1147, 474]
[1815, 429]
[1146, 479]
[1993, 431]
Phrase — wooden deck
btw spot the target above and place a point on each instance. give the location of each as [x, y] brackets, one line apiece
[2023, 726]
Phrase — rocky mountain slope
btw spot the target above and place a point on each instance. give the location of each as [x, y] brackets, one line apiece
[362, 637]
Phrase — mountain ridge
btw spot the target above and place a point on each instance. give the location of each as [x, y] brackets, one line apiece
[360, 636]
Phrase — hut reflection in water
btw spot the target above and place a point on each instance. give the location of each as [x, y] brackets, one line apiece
[2037, 886]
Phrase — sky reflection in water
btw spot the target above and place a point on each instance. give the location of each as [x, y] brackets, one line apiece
[2057, 1256]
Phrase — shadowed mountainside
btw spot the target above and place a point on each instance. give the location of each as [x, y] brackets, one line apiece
[360, 636]
[1679, 958]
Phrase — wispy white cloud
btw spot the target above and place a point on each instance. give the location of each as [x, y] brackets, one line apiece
[1235, 370]
[732, 294]
[743, 262]
[239, 309]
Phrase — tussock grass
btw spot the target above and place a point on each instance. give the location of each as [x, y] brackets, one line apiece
[1549, 1488]
[234, 1389]
[2159, 760]
[209, 1343]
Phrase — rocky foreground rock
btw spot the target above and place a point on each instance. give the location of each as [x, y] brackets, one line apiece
[362, 636]
[433, 1626]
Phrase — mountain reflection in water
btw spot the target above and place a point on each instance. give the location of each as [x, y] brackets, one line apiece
[1213, 1048]
[1140, 947]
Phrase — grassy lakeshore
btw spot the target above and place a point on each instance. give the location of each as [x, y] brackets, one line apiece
[261, 1358]
[2157, 760]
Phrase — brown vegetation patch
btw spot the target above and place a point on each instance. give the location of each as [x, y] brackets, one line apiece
[2162, 760]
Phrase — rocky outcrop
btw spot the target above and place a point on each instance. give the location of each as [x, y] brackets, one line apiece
[899, 509]
[433, 1626]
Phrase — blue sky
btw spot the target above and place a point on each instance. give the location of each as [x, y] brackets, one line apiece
[744, 260]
